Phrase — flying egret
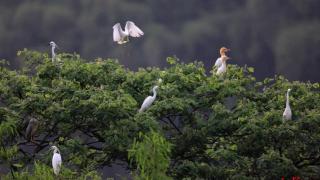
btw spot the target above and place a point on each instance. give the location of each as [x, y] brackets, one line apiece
[53, 47]
[121, 36]
[223, 51]
[149, 100]
[31, 129]
[223, 68]
[287, 114]
[56, 160]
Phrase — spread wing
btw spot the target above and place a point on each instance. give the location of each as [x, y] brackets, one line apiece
[117, 32]
[133, 30]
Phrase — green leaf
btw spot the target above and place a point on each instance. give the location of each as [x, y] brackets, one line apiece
[17, 165]
[250, 69]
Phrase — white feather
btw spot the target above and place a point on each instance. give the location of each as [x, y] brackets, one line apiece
[56, 163]
[149, 100]
[121, 36]
[53, 47]
[222, 69]
[147, 103]
[287, 113]
[117, 32]
[133, 30]
[218, 62]
[56, 160]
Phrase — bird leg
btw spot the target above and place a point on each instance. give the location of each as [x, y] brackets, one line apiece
[124, 40]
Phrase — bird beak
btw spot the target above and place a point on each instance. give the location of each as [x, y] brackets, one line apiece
[228, 50]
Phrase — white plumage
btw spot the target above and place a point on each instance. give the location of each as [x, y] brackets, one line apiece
[56, 160]
[149, 100]
[223, 51]
[121, 36]
[53, 47]
[223, 68]
[218, 62]
[287, 113]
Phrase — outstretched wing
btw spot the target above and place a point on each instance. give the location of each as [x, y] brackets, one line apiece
[117, 32]
[133, 30]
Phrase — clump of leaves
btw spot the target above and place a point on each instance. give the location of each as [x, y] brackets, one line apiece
[151, 155]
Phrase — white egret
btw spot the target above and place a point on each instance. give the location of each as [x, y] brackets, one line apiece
[31, 129]
[223, 51]
[149, 100]
[287, 114]
[223, 68]
[121, 36]
[56, 160]
[53, 47]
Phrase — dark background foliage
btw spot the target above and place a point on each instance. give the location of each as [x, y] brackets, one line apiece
[273, 36]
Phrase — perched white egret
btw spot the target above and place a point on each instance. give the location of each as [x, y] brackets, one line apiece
[223, 68]
[223, 51]
[31, 129]
[149, 100]
[56, 160]
[53, 47]
[121, 36]
[287, 114]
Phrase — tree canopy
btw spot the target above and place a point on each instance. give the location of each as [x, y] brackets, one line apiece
[200, 126]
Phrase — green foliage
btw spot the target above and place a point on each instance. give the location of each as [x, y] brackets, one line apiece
[213, 127]
[8, 130]
[151, 155]
[42, 171]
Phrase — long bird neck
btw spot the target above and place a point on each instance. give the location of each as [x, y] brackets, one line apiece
[52, 52]
[56, 151]
[287, 102]
[154, 93]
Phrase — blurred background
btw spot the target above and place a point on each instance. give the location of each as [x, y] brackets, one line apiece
[273, 36]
